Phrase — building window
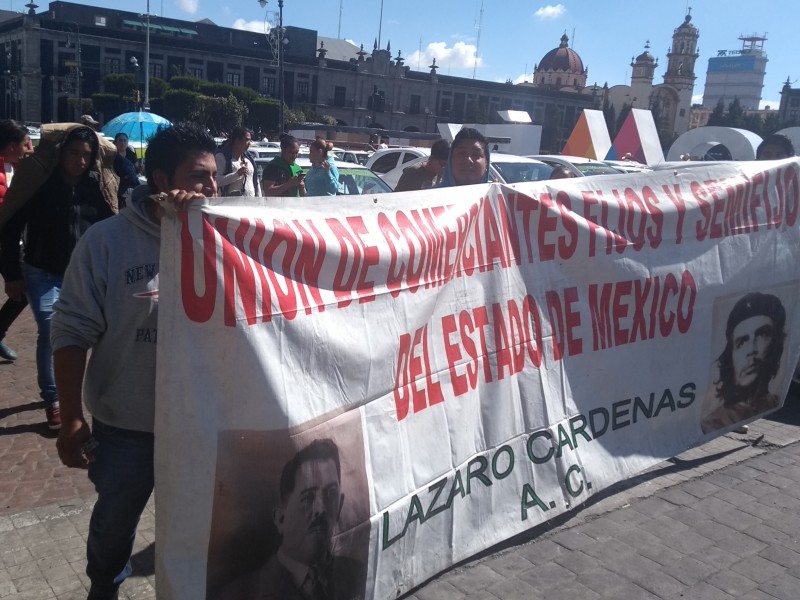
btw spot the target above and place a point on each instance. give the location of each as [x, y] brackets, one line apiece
[268, 86]
[112, 65]
[196, 72]
[302, 90]
[233, 79]
[414, 106]
[156, 70]
[794, 102]
[339, 95]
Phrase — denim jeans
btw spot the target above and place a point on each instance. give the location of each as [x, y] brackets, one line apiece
[122, 474]
[43, 289]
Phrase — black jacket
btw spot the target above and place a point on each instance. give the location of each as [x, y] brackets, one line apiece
[52, 222]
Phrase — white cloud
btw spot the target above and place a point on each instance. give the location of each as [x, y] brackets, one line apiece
[524, 78]
[255, 26]
[188, 6]
[550, 12]
[457, 56]
[697, 99]
[773, 104]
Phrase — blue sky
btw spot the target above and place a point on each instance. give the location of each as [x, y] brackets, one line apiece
[513, 35]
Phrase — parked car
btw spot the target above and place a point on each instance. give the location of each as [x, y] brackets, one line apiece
[505, 168]
[628, 166]
[383, 161]
[580, 166]
[352, 156]
[354, 179]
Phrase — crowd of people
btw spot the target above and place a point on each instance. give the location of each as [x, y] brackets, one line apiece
[62, 215]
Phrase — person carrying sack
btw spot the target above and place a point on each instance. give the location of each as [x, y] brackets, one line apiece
[235, 169]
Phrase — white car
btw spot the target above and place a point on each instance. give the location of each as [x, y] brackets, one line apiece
[628, 166]
[579, 166]
[383, 161]
[352, 156]
[504, 168]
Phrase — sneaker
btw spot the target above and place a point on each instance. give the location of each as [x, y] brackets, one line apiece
[53, 413]
[7, 353]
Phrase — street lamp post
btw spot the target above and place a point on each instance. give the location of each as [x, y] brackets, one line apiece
[146, 105]
[281, 42]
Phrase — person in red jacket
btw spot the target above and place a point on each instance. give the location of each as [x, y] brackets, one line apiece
[15, 144]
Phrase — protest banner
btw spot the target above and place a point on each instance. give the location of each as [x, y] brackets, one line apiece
[359, 392]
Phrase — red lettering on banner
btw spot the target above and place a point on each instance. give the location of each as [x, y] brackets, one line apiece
[510, 231]
[670, 304]
[563, 321]
[413, 362]
[791, 194]
[396, 269]
[282, 238]
[677, 200]
[411, 368]
[516, 334]
[349, 261]
[198, 308]
[237, 272]
[308, 268]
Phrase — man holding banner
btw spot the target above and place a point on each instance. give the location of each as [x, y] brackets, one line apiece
[109, 304]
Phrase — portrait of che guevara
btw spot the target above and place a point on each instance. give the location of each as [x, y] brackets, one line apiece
[749, 362]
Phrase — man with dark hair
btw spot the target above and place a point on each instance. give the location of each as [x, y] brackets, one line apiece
[109, 304]
[50, 224]
[775, 147]
[751, 359]
[426, 174]
[304, 566]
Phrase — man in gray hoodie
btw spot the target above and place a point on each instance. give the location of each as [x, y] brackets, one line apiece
[109, 304]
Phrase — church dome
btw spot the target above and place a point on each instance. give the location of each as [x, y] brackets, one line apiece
[645, 57]
[562, 58]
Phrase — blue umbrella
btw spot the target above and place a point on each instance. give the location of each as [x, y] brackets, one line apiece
[138, 126]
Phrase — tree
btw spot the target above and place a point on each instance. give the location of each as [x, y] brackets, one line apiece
[180, 105]
[264, 114]
[220, 114]
[185, 82]
[771, 124]
[158, 87]
[108, 104]
[120, 84]
[717, 116]
[735, 115]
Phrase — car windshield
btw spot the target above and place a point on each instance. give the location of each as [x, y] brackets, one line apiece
[513, 172]
[596, 169]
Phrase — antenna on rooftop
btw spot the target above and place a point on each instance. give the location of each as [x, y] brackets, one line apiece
[478, 42]
[380, 25]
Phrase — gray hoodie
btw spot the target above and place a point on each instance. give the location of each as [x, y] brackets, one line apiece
[109, 304]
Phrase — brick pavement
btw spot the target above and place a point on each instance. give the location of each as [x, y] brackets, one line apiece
[717, 522]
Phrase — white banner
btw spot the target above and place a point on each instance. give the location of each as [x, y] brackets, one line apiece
[355, 393]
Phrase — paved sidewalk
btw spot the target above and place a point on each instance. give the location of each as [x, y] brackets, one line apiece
[718, 522]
